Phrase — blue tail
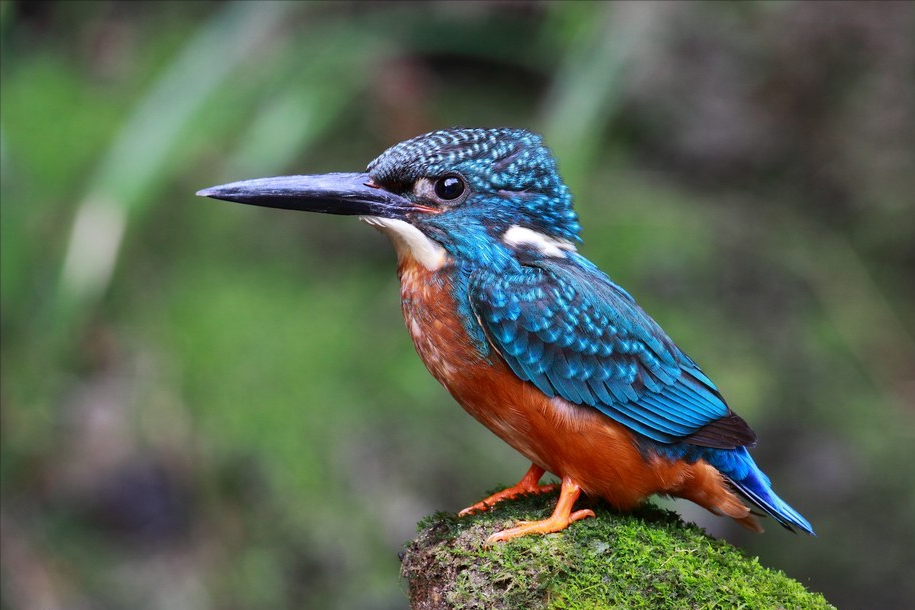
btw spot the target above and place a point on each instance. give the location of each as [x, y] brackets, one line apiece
[746, 477]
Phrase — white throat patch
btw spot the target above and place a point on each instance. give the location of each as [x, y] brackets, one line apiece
[410, 241]
[517, 236]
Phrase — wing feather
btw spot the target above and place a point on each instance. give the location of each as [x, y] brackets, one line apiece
[562, 325]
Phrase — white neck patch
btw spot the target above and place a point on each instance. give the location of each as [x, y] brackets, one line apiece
[517, 236]
[410, 241]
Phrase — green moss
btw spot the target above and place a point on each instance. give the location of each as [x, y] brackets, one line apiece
[649, 559]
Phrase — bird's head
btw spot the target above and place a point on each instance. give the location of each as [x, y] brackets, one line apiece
[474, 194]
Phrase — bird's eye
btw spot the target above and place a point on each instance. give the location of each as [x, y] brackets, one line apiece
[449, 187]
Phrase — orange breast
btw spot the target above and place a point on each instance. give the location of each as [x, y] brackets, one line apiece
[600, 454]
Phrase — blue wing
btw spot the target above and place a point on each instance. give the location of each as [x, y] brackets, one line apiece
[565, 327]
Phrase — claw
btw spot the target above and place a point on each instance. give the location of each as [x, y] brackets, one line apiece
[560, 519]
[527, 485]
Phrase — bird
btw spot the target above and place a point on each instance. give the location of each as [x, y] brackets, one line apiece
[530, 337]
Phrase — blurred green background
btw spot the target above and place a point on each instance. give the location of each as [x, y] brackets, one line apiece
[207, 405]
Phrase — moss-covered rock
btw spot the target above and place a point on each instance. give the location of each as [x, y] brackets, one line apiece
[649, 559]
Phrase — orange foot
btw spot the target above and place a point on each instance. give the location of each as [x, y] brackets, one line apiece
[560, 519]
[527, 485]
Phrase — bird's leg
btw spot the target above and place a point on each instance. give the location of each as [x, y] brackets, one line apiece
[527, 485]
[560, 519]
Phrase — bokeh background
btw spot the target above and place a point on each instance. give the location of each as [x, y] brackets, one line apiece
[207, 405]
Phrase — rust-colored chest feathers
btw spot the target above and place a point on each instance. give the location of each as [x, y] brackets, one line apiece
[482, 384]
[431, 319]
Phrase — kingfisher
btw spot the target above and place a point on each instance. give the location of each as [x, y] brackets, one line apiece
[530, 337]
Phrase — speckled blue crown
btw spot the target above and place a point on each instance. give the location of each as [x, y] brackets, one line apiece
[512, 164]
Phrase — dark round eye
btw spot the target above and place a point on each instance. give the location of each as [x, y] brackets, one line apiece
[449, 187]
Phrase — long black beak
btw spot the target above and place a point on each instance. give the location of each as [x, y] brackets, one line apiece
[347, 194]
